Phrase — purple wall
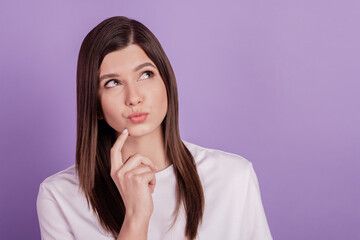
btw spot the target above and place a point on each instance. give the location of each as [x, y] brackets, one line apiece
[274, 81]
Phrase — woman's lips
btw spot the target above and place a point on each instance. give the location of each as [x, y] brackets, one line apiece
[138, 117]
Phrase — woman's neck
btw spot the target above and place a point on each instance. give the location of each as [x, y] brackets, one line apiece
[151, 146]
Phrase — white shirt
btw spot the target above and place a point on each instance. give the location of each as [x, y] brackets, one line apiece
[233, 207]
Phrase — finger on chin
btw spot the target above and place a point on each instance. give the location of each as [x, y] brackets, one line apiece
[116, 158]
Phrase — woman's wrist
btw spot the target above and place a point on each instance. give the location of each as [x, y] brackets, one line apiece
[137, 222]
[134, 228]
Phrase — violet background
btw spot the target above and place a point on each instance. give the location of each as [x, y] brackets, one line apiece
[275, 81]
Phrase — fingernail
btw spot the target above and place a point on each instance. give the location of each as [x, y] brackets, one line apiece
[124, 131]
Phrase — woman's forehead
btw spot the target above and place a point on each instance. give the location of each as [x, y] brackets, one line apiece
[125, 59]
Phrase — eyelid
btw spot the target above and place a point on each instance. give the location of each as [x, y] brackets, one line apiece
[150, 72]
[113, 79]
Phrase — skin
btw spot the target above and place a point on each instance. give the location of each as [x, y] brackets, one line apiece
[139, 151]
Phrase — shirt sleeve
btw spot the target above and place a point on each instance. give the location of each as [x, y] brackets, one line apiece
[254, 223]
[53, 224]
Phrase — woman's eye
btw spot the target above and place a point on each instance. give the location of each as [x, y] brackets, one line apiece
[111, 83]
[147, 74]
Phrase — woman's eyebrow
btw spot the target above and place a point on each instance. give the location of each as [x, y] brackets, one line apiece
[111, 75]
[144, 65]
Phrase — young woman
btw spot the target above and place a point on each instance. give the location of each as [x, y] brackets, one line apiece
[134, 177]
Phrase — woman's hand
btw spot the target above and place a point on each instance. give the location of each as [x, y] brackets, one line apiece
[135, 180]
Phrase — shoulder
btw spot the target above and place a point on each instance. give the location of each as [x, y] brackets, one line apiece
[58, 196]
[232, 194]
[63, 210]
[63, 182]
[223, 165]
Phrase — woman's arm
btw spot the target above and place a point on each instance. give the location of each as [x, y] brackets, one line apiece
[135, 180]
[254, 222]
[53, 224]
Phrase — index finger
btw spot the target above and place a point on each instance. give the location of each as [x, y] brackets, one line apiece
[115, 155]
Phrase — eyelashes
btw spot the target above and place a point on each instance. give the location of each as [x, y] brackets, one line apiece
[111, 83]
[149, 73]
[114, 82]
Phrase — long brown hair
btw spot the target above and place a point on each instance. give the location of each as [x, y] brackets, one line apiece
[95, 137]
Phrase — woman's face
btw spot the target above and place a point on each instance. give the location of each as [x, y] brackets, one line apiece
[130, 83]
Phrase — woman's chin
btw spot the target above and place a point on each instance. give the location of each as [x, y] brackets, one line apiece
[138, 131]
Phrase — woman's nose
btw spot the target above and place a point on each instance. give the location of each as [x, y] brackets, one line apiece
[133, 96]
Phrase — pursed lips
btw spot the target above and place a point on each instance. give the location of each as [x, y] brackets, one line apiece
[137, 114]
[138, 117]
